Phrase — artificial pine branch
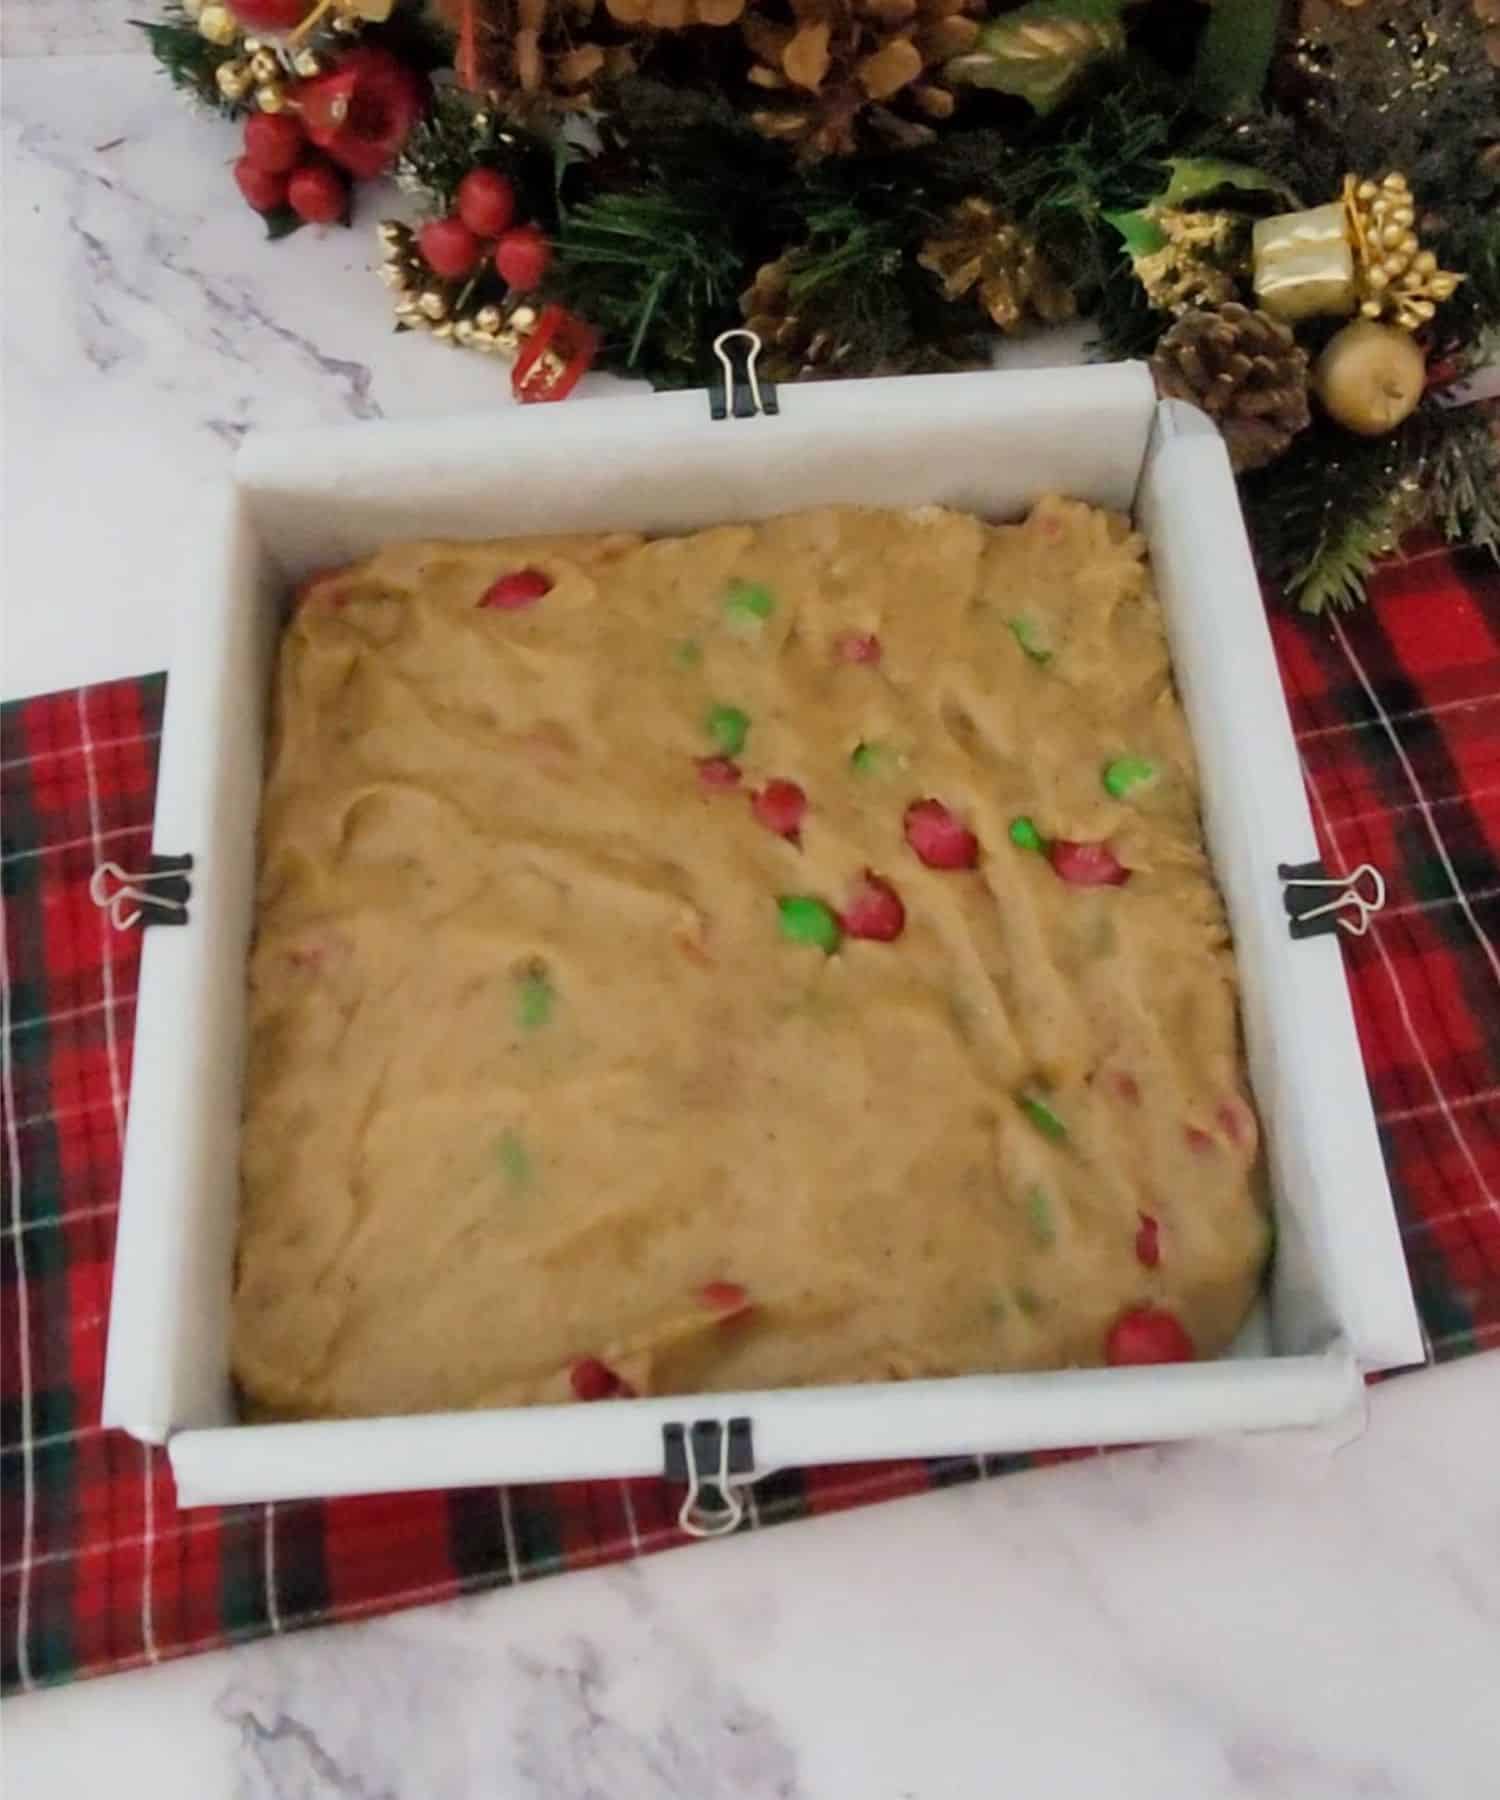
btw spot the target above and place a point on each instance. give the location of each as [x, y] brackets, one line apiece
[1463, 476]
[186, 57]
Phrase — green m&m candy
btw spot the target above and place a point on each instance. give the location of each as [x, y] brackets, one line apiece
[728, 727]
[1042, 1116]
[1126, 773]
[808, 921]
[748, 605]
[1027, 634]
[1025, 836]
[534, 998]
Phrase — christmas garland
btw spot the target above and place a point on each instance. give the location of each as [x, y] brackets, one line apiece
[1293, 210]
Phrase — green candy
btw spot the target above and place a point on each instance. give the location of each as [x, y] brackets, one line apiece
[1025, 633]
[1125, 773]
[1039, 1215]
[515, 1161]
[1028, 1301]
[1042, 1116]
[808, 921]
[1025, 836]
[534, 999]
[869, 759]
[728, 727]
[748, 604]
[687, 654]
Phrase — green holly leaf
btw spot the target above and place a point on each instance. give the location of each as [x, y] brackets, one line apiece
[1194, 176]
[1142, 235]
[1234, 55]
[281, 223]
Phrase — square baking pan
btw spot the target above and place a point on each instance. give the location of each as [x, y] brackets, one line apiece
[1338, 1301]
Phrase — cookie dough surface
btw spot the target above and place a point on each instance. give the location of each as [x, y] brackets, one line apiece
[542, 1097]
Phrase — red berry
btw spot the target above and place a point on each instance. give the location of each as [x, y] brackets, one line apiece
[726, 1298]
[263, 189]
[874, 911]
[938, 838]
[269, 15]
[522, 257]
[486, 202]
[1086, 865]
[857, 647]
[780, 806]
[318, 193]
[1148, 1334]
[1148, 1242]
[718, 772]
[516, 589]
[274, 141]
[448, 248]
[591, 1379]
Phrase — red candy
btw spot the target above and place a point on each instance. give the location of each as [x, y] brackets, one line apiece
[591, 1379]
[718, 771]
[521, 587]
[940, 840]
[780, 807]
[1237, 1124]
[1148, 1334]
[1197, 1140]
[857, 647]
[726, 1298]
[486, 202]
[1086, 865]
[448, 248]
[874, 911]
[1148, 1242]
[1126, 1087]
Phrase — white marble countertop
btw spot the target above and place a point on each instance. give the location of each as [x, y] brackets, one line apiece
[1301, 1620]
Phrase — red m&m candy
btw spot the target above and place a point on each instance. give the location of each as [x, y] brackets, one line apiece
[1148, 1334]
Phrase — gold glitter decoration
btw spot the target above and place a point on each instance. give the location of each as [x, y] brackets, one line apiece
[1396, 278]
[1304, 263]
[1190, 268]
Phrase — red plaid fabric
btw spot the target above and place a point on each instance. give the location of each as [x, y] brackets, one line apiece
[1397, 712]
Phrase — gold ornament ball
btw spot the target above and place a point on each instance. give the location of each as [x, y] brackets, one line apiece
[264, 66]
[232, 80]
[219, 25]
[270, 97]
[1370, 377]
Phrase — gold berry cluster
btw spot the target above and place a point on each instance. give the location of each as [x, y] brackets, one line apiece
[1397, 278]
[425, 302]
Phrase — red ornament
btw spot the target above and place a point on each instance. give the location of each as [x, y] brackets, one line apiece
[318, 193]
[591, 1379]
[1086, 865]
[274, 141]
[718, 772]
[522, 258]
[1148, 1242]
[516, 589]
[486, 202]
[269, 15]
[940, 840]
[448, 248]
[572, 344]
[857, 647]
[263, 189]
[726, 1298]
[780, 807]
[1148, 1334]
[874, 911]
[362, 111]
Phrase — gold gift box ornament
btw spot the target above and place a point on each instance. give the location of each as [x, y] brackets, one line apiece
[1304, 264]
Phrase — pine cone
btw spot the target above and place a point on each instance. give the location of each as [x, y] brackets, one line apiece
[791, 349]
[1245, 370]
[982, 252]
[538, 55]
[840, 65]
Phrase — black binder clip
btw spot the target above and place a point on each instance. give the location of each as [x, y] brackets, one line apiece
[740, 391]
[159, 896]
[716, 1458]
[1313, 912]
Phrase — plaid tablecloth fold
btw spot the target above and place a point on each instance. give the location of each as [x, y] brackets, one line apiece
[1397, 712]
